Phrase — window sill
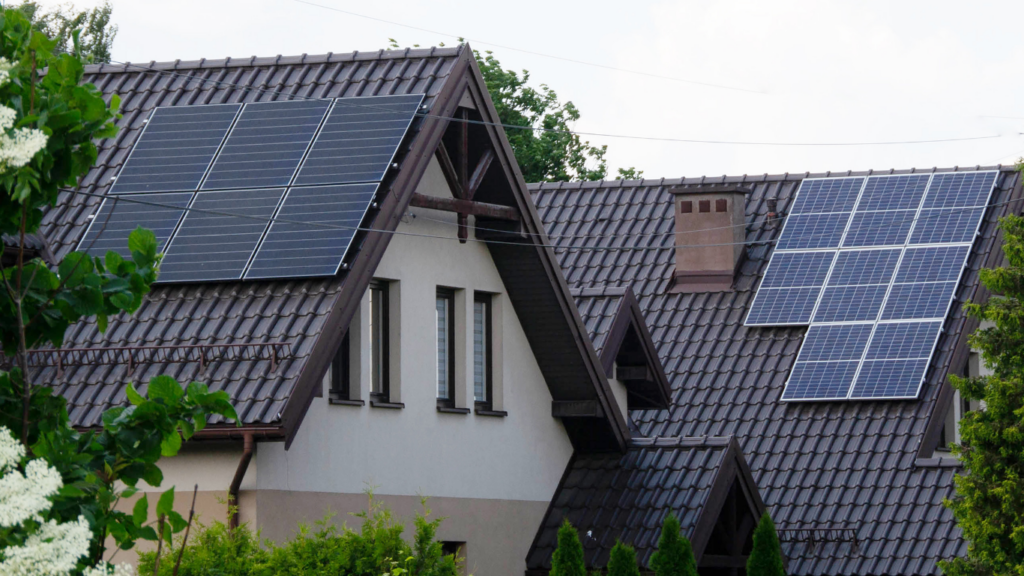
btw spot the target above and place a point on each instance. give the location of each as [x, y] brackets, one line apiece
[484, 411]
[336, 401]
[447, 410]
[389, 405]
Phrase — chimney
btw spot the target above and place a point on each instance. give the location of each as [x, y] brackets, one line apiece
[710, 233]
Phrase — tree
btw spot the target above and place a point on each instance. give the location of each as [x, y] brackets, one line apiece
[989, 500]
[766, 556]
[49, 123]
[59, 22]
[568, 557]
[675, 555]
[545, 147]
[622, 561]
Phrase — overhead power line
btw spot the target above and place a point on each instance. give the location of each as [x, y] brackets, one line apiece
[533, 53]
[565, 132]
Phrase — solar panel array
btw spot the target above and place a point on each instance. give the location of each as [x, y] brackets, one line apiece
[253, 191]
[871, 264]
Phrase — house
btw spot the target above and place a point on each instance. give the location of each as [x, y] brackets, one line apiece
[854, 486]
[390, 348]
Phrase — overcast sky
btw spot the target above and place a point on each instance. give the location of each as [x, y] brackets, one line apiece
[815, 71]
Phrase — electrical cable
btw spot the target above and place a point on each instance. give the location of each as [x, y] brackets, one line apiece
[572, 132]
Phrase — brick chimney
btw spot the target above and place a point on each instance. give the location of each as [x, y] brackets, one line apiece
[709, 236]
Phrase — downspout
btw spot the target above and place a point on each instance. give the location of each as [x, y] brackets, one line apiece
[236, 482]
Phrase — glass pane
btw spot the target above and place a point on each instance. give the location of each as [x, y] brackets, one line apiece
[480, 351]
[376, 340]
[442, 347]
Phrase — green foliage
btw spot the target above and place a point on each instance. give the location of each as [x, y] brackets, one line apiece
[675, 555]
[622, 561]
[60, 22]
[319, 550]
[766, 557]
[989, 500]
[568, 557]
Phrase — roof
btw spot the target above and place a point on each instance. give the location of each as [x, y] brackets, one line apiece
[310, 316]
[610, 497]
[865, 465]
[35, 245]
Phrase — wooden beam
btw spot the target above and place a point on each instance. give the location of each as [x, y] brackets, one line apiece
[448, 169]
[576, 409]
[628, 373]
[717, 561]
[478, 173]
[469, 207]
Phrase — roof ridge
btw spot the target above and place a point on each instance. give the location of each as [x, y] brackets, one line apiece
[278, 60]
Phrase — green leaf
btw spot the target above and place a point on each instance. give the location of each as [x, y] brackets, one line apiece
[140, 511]
[166, 502]
[171, 444]
[133, 395]
[165, 388]
[142, 243]
[152, 475]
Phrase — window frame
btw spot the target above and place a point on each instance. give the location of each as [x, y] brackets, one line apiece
[341, 371]
[448, 294]
[488, 328]
[380, 342]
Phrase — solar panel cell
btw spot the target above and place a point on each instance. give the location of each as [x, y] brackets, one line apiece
[893, 193]
[960, 189]
[782, 306]
[820, 380]
[862, 267]
[267, 143]
[358, 140]
[833, 343]
[906, 340]
[217, 237]
[115, 220]
[879, 228]
[806, 231]
[295, 246]
[932, 264]
[822, 195]
[890, 379]
[947, 226]
[175, 149]
[850, 303]
[919, 301]
[797, 269]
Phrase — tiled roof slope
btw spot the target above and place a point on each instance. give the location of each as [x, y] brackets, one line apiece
[598, 308]
[609, 497]
[815, 464]
[280, 311]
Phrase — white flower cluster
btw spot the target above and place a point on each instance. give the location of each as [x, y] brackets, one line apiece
[53, 549]
[105, 569]
[17, 146]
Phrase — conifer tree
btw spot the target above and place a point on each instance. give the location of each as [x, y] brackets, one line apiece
[568, 557]
[622, 561]
[989, 500]
[766, 557]
[675, 555]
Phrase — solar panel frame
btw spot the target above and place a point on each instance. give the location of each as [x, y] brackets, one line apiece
[836, 390]
[792, 265]
[912, 374]
[825, 232]
[947, 225]
[849, 304]
[773, 315]
[980, 185]
[86, 244]
[801, 204]
[877, 229]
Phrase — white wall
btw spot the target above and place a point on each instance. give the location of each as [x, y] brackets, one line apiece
[417, 450]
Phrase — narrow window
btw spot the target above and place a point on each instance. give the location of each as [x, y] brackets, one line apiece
[482, 349]
[445, 356]
[379, 341]
[340, 372]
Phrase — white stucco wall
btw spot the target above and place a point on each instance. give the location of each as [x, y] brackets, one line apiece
[417, 450]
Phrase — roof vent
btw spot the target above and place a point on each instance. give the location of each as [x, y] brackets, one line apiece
[710, 232]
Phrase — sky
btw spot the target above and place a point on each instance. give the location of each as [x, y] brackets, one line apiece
[822, 72]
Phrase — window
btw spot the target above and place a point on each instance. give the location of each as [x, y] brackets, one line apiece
[445, 355]
[482, 390]
[379, 344]
[341, 372]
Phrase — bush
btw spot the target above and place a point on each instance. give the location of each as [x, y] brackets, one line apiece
[568, 557]
[766, 557]
[622, 561]
[674, 556]
[319, 550]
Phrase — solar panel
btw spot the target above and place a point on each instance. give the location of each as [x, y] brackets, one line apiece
[960, 189]
[358, 140]
[862, 267]
[850, 303]
[117, 218]
[822, 195]
[775, 306]
[217, 237]
[947, 226]
[175, 149]
[805, 231]
[796, 269]
[879, 228]
[266, 144]
[295, 246]
[904, 242]
[893, 193]
[889, 379]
